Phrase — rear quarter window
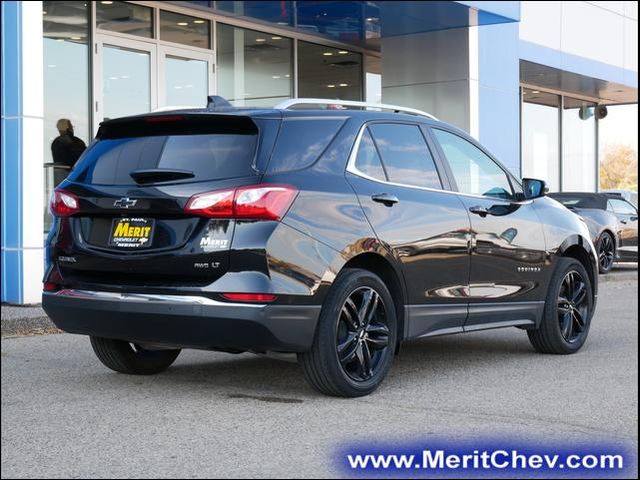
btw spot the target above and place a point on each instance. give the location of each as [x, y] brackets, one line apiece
[301, 141]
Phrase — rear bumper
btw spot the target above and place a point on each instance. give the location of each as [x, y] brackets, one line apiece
[185, 321]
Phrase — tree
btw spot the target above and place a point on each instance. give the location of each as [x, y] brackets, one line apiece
[619, 168]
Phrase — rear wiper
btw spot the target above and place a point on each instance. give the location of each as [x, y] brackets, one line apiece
[153, 175]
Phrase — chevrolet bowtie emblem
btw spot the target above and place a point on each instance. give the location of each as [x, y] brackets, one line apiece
[125, 202]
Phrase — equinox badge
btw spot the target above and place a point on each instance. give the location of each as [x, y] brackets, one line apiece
[125, 202]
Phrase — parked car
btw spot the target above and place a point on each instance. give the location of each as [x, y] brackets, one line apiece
[612, 221]
[628, 195]
[332, 234]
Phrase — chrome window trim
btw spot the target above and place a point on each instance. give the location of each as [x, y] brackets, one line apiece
[146, 297]
[351, 168]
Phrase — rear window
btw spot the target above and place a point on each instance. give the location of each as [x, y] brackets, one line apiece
[301, 141]
[208, 157]
[204, 150]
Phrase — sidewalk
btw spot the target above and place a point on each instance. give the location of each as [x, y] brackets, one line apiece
[31, 319]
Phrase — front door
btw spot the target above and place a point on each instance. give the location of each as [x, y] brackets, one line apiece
[426, 229]
[134, 77]
[508, 269]
[185, 77]
[125, 82]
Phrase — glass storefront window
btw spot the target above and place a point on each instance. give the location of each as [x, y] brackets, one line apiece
[540, 137]
[578, 146]
[184, 29]
[254, 68]
[124, 17]
[278, 12]
[618, 143]
[344, 21]
[66, 81]
[327, 72]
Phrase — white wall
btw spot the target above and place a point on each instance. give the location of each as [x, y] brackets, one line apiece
[606, 32]
[429, 71]
[32, 140]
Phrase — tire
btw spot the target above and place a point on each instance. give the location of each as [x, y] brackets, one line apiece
[125, 357]
[606, 252]
[355, 338]
[567, 313]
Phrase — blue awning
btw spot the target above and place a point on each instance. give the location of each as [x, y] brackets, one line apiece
[365, 22]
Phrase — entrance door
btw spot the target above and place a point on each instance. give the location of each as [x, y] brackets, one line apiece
[125, 79]
[186, 77]
[134, 77]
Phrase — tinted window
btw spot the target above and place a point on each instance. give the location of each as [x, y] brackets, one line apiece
[474, 172]
[405, 155]
[579, 200]
[209, 157]
[622, 207]
[301, 141]
[368, 160]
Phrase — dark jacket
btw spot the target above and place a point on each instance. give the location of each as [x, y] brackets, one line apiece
[66, 149]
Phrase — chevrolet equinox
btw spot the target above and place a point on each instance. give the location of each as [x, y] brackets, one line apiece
[331, 232]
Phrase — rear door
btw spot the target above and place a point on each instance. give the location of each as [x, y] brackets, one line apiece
[627, 216]
[426, 228]
[133, 184]
[508, 259]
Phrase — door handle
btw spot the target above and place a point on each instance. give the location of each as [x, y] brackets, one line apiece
[623, 222]
[385, 198]
[478, 210]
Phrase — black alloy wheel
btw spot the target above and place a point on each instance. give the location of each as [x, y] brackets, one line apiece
[356, 336]
[606, 253]
[566, 318]
[573, 307]
[362, 334]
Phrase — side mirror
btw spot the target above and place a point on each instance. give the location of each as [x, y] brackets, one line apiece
[534, 188]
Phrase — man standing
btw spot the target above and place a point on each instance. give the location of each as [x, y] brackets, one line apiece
[66, 149]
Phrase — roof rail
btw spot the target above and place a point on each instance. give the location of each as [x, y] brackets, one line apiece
[287, 104]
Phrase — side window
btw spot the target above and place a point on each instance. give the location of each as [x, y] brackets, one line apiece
[621, 207]
[474, 171]
[368, 160]
[405, 155]
[301, 141]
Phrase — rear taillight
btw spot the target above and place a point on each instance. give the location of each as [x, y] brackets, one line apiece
[63, 203]
[50, 286]
[257, 202]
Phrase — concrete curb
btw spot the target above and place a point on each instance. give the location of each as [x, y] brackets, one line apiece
[22, 320]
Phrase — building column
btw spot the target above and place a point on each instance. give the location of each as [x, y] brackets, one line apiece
[22, 148]
[468, 77]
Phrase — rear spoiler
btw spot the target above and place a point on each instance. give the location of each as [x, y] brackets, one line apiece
[179, 123]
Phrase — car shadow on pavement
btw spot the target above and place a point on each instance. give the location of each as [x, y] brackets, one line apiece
[267, 379]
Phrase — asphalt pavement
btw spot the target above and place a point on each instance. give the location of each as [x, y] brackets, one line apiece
[222, 415]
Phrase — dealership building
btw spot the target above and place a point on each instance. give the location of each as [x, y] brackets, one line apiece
[527, 79]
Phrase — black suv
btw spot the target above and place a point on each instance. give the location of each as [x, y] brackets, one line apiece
[331, 233]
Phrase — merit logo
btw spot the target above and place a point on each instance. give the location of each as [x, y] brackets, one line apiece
[208, 243]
